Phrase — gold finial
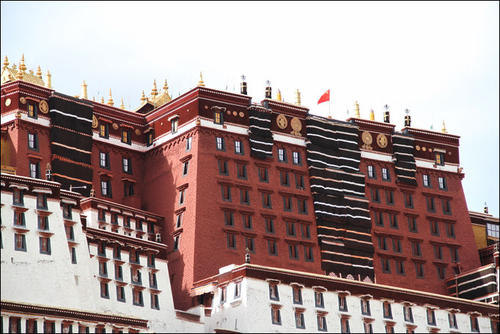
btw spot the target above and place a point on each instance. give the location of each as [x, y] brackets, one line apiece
[443, 130]
[154, 91]
[165, 86]
[39, 72]
[357, 114]
[110, 100]
[122, 106]
[5, 62]
[297, 97]
[201, 83]
[31, 72]
[84, 90]
[102, 99]
[22, 66]
[143, 98]
[49, 79]
[372, 115]
[14, 67]
[278, 96]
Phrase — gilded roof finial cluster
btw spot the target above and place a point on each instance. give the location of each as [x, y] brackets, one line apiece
[157, 98]
[22, 72]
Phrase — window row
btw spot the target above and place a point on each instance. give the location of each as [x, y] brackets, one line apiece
[296, 158]
[294, 250]
[137, 295]
[104, 162]
[126, 134]
[134, 254]
[388, 265]
[135, 274]
[436, 228]
[126, 221]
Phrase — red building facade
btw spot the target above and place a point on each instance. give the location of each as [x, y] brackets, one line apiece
[232, 178]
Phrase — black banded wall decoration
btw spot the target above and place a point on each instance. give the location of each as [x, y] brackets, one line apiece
[338, 189]
[260, 135]
[404, 149]
[71, 142]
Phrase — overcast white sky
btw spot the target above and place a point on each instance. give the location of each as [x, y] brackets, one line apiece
[440, 60]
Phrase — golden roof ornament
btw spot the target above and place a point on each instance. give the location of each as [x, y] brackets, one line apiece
[31, 72]
[443, 130]
[297, 97]
[22, 66]
[49, 79]
[19, 74]
[278, 96]
[14, 67]
[201, 83]
[102, 99]
[110, 100]
[84, 90]
[39, 72]
[165, 86]
[122, 106]
[5, 62]
[356, 111]
[154, 91]
[143, 98]
[372, 115]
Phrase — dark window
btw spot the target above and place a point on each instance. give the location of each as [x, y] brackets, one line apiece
[127, 165]
[238, 147]
[273, 291]
[18, 197]
[43, 223]
[400, 267]
[218, 117]
[103, 269]
[408, 314]
[450, 230]
[272, 247]
[442, 183]
[287, 203]
[281, 155]
[241, 171]
[454, 254]
[263, 175]
[284, 180]
[394, 220]
[104, 290]
[226, 192]
[247, 221]
[269, 225]
[416, 249]
[177, 240]
[452, 320]
[306, 231]
[474, 324]
[126, 136]
[382, 243]
[426, 180]
[308, 254]
[419, 269]
[219, 141]
[154, 301]
[371, 172]
[290, 229]
[120, 293]
[368, 327]
[20, 242]
[342, 303]
[412, 224]
[128, 188]
[293, 252]
[150, 138]
[174, 125]
[41, 201]
[297, 294]
[151, 260]
[44, 245]
[441, 271]
[35, 170]
[375, 195]
[106, 188]
[33, 141]
[137, 297]
[344, 325]
[104, 160]
[396, 245]
[231, 241]
[229, 218]
[408, 200]
[299, 320]
[244, 196]
[365, 306]
[439, 158]
[385, 174]
[446, 206]
[434, 228]
[104, 130]
[386, 265]
[322, 323]
[223, 170]
[32, 109]
[249, 244]
[438, 252]
[117, 252]
[296, 158]
[430, 204]
[73, 255]
[189, 142]
[299, 181]
[181, 196]
[379, 218]
[70, 234]
[266, 201]
[318, 299]
[178, 219]
[389, 196]
[387, 310]
[275, 316]
[302, 205]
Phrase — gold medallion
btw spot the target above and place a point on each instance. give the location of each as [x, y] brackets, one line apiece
[138, 132]
[382, 141]
[242, 114]
[94, 122]
[417, 147]
[296, 125]
[8, 102]
[367, 139]
[22, 100]
[281, 121]
[115, 126]
[235, 113]
[43, 106]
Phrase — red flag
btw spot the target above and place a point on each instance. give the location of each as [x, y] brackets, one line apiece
[325, 97]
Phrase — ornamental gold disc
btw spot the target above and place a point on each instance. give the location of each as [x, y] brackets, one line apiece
[8, 102]
[22, 100]
[94, 122]
[138, 132]
[281, 121]
[115, 126]
[367, 138]
[43, 106]
[296, 124]
[382, 140]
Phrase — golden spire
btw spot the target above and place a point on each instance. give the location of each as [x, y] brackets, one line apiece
[443, 130]
[165, 86]
[49, 79]
[154, 91]
[31, 72]
[122, 106]
[372, 115]
[278, 96]
[22, 66]
[83, 95]
[14, 67]
[102, 99]
[356, 112]
[110, 100]
[201, 83]
[5, 62]
[39, 72]
[297, 101]
[143, 98]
